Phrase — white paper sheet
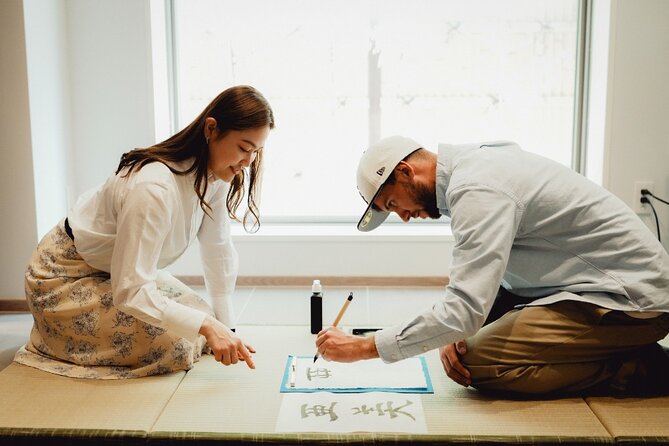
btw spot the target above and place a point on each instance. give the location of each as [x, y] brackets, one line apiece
[373, 373]
[351, 412]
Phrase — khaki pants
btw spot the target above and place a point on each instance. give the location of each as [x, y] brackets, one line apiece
[568, 348]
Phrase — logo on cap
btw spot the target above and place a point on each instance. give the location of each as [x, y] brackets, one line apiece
[380, 171]
[366, 219]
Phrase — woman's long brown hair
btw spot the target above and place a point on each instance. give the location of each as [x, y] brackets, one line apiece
[237, 108]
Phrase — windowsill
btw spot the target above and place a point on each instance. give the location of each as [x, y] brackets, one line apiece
[345, 232]
[335, 250]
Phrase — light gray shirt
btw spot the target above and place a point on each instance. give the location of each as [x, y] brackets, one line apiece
[542, 230]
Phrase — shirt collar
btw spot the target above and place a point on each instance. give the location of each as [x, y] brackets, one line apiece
[444, 171]
[447, 159]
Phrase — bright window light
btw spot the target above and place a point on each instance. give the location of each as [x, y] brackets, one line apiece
[341, 74]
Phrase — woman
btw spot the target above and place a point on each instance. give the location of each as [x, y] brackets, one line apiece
[102, 305]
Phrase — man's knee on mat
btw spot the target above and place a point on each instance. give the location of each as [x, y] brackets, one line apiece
[643, 372]
[537, 379]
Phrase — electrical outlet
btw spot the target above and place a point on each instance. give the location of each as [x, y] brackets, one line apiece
[641, 208]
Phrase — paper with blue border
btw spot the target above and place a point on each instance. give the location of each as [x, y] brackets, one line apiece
[408, 376]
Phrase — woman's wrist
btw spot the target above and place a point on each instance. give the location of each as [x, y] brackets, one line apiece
[206, 326]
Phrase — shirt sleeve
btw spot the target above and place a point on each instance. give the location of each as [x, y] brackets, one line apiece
[144, 222]
[219, 257]
[484, 223]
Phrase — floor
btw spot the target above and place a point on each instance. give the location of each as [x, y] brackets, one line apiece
[372, 307]
[181, 407]
[14, 331]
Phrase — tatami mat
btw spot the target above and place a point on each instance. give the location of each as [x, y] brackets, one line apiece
[218, 399]
[459, 411]
[634, 419]
[33, 400]
[215, 402]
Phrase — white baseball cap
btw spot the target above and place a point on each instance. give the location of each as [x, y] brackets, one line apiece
[376, 165]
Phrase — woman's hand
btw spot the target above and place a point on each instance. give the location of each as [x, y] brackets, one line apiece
[226, 346]
[450, 358]
[334, 345]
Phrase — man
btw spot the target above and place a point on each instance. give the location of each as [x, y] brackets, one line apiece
[589, 281]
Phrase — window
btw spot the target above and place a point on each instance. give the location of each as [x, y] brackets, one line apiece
[341, 74]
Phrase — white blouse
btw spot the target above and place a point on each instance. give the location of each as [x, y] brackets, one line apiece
[134, 226]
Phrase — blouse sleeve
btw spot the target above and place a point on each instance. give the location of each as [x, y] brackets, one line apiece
[219, 257]
[144, 222]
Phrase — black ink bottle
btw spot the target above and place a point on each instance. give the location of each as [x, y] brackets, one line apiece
[316, 303]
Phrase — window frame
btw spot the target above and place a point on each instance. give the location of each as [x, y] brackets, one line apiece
[579, 127]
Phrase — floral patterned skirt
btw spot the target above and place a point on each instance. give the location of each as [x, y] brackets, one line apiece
[77, 330]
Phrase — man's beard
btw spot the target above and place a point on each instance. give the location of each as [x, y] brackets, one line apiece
[425, 197]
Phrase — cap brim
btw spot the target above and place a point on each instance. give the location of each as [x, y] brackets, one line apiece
[372, 218]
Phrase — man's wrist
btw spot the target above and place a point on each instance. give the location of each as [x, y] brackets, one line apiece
[369, 350]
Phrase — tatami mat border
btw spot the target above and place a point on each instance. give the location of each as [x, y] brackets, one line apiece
[172, 438]
[41, 436]
[622, 439]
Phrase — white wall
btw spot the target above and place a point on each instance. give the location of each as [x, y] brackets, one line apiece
[637, 118]
[48, 85]
[18, 230]
[81, 82]
[109, 44]
[103, 75]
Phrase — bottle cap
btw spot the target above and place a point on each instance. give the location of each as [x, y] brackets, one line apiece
[316, 286]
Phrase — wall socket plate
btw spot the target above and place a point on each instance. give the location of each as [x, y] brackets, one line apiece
[641, 208]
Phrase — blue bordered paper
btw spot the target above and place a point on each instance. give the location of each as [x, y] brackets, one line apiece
[285, 385]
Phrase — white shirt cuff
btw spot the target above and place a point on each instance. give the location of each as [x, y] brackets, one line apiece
[183, 321]
[224, 311]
